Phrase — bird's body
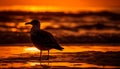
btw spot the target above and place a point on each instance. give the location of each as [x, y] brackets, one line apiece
[42, 40]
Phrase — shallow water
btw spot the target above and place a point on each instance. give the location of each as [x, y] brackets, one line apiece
[73, 56]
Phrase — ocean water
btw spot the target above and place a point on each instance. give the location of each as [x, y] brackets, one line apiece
[73, 56]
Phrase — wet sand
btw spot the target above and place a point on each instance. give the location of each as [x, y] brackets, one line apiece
[72, 57]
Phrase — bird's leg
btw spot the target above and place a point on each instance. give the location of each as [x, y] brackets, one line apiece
[48, 57]
[40, 56]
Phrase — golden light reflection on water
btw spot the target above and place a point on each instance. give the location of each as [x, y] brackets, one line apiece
[10, 50]
[45, 24]
[14, 30]
[91, 48]
[68, 64]
[27, 51]
[11, 24]
[77, 49]
[31, 50]
[22, 24]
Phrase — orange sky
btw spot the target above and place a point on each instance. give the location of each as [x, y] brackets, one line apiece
[59, 5]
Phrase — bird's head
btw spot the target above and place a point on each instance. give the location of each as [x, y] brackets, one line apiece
[34, 23]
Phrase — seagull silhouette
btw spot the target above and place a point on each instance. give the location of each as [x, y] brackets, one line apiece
[42, 40]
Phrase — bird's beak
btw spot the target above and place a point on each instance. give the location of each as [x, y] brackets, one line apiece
[27, 23]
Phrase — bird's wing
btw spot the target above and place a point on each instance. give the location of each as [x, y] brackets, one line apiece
[49, 37]
[43, 37]
[46, 39]
[54, 42]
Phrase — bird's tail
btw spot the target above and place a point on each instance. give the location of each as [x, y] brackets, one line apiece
[60, 48]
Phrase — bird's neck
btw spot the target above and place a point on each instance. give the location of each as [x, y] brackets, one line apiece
[35, 28]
